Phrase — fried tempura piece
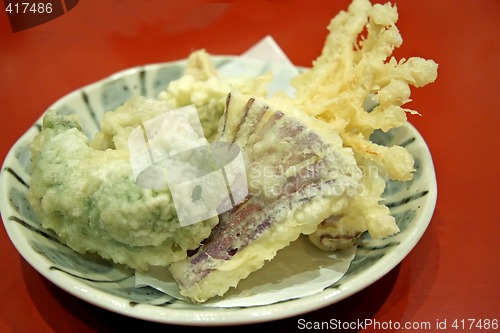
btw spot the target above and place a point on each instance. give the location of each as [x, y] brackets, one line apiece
[202, 86]
[356, 67]
[89, 196]
[365, 213]
[298, 175]
[356, 87]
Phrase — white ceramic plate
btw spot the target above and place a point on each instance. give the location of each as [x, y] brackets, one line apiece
[112, 286]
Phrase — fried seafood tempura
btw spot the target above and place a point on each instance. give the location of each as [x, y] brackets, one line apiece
[298, 174]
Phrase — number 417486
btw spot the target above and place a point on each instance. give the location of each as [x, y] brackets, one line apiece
[29, 7]
[469, 324]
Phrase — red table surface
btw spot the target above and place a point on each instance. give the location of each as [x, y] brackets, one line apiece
[453, 271]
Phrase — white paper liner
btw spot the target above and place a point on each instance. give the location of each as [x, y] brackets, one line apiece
[297, 271]
[265, 53]
[300, 269]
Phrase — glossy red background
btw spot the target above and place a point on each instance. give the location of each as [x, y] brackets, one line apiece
[451, 274]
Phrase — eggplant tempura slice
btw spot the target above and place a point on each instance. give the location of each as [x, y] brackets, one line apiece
[298, 174]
